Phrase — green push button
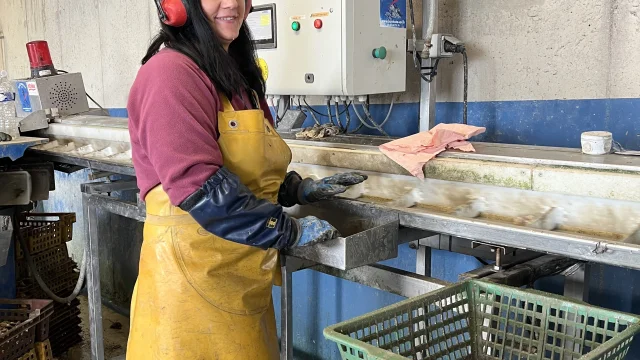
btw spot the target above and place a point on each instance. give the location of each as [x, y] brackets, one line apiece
[295, 26]
[380, 53]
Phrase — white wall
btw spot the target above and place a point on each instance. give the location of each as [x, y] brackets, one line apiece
[518, 49]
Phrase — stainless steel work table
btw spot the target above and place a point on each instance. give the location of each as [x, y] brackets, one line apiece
[420, 227]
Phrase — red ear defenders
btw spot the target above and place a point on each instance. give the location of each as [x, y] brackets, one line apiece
[174, 13]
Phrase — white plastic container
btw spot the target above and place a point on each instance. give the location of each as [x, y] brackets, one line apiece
[596, 142]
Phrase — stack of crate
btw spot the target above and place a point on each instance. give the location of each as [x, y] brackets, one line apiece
[46, 235]
[24, 329]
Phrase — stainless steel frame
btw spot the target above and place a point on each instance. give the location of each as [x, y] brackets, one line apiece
[92, 200]
[376, 276]
[417, 228]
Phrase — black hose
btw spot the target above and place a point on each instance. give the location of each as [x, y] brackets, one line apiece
[318, 112]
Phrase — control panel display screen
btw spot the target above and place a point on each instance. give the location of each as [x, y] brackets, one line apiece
[262, 23]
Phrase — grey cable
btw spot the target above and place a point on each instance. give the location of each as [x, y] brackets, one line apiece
[315, 119]
[302, 107]
[362, 121]
[346, 106]
[379, 127]
[34, 270]
[416, 61]
[337, 104]
[329, 112]
[375, 126]
[360, 124]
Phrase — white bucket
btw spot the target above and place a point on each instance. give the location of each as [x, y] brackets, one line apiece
[596, 142]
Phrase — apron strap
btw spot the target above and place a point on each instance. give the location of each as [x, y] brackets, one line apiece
[228, 107]
[226, 103]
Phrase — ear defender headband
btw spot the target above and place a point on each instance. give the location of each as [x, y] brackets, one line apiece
[174, 13]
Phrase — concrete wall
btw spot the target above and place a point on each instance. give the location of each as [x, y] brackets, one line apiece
[518, 49]
[540, 73]
[104, 40]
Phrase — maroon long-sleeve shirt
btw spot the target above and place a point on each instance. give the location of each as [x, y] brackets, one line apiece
[173, 123]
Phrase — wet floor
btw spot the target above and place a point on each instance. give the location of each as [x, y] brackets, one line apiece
[116, 331]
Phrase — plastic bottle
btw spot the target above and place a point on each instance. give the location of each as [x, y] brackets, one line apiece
[8, 120]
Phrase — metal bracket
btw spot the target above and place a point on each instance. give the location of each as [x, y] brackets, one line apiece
[95, 175]
[494, 249]
[108, 187]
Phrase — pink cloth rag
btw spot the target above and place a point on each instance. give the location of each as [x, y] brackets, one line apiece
[414, 151]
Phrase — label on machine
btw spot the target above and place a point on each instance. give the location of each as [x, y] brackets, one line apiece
[33, 88]
[393, 13]
[23, 96]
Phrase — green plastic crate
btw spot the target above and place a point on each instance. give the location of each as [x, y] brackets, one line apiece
[476, 320]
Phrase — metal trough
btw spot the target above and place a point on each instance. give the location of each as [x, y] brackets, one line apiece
[368, 236]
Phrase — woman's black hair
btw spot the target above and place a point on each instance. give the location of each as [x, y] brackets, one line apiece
[232, 71]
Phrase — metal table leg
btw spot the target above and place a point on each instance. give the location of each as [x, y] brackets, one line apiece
[423, 257]
[93, 279]
[423, 261]
[286, 318]
[576, 283]
[92, 199]
[576, 286]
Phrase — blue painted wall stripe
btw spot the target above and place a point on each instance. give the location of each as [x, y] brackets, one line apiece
[546, 123]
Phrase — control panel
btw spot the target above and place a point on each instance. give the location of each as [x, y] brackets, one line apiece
[331, 47]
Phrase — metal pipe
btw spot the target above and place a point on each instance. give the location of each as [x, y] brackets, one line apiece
[428, 90]
[576, 282]
[387, 279]
[91, 201]
[429, 18]
[93, 279]
[286, 311]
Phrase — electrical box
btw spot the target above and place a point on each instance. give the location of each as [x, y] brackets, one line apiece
[331, 47]
[64, 92]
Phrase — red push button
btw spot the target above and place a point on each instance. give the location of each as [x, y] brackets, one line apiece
[317, 24]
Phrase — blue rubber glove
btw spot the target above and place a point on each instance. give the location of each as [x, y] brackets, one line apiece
[312, 191]
[312, 230]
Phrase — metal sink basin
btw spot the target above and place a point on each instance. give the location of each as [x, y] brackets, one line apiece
[369, 235]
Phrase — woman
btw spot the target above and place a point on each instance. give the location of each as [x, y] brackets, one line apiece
[212, 171]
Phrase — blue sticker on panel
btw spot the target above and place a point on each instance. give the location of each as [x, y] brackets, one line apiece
[23, 96]
[393, 13]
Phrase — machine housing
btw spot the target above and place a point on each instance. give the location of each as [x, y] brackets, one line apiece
[42, 99]
[326, 47]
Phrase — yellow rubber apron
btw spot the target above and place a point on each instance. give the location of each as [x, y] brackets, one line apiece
[198, 296]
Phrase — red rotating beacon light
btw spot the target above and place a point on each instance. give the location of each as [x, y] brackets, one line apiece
[40, 59]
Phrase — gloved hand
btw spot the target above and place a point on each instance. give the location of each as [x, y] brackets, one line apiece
[328, 187]
[225, 207]
[295, 191]
[311, 229]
